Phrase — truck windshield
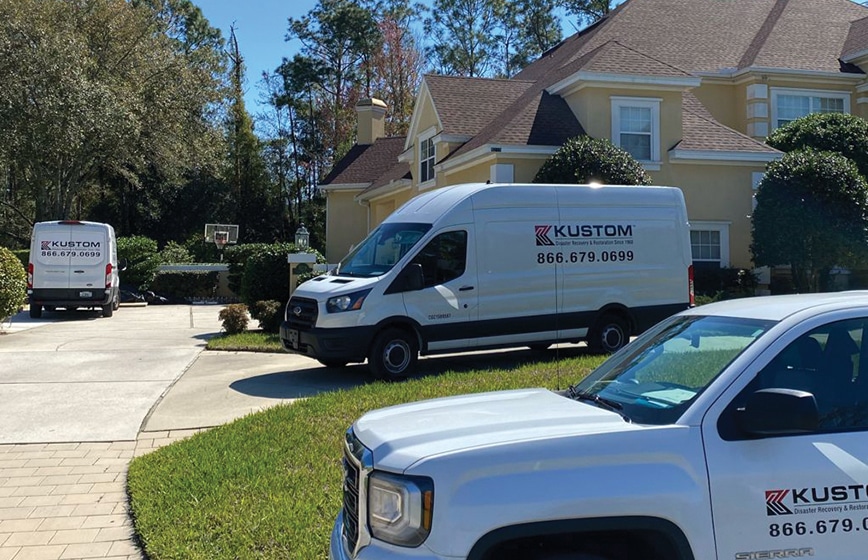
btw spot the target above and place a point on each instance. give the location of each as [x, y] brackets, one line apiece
[381, 249]
[654, 380]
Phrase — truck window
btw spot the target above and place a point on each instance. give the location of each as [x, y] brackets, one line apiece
[444, 258]
[831, 363]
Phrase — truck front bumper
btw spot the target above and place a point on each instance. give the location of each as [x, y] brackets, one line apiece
[376, 551]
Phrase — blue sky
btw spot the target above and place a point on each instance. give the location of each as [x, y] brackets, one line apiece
[260, 27]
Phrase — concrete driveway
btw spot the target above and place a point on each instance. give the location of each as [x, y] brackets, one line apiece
[84, 378]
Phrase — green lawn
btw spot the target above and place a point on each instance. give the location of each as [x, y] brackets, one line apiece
[249, 341]
[269, 485]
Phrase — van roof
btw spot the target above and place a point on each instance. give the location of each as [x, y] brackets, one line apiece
[427, 207]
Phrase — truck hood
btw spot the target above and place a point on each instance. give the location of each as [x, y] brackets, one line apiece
[401, 435]
[333, 286]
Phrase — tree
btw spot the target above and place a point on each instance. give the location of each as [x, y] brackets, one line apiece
[527, 28]
[584, 160]
[88, 114]
[13, 284]
[811, 214]
[835, 132]
[587, 12]
[463, 36]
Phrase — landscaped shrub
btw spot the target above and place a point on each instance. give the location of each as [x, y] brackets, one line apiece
[236, 257]
[234, 318]
[724, 283]
[584, 160]
[269, 313]
[175, 253]
[139, 256]
[23, 255]
[261, 272]
[13, 284]
[185, 284]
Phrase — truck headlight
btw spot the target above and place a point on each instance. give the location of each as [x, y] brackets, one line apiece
[400, 508]
[348, 302]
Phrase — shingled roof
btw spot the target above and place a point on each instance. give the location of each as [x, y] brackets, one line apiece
[366, 163]
[701, 133]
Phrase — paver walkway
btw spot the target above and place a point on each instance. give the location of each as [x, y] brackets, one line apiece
[68, 500]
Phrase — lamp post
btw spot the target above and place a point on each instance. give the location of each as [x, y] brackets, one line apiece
[302, 238]
[300, 262]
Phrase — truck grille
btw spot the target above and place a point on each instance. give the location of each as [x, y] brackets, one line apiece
[301, 313]
[357, 465]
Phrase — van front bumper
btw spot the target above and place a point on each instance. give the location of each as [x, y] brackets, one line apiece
[346, 344]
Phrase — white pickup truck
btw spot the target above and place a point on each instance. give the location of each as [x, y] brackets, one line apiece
[734, 431]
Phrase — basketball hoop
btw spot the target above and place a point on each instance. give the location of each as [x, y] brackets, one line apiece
[221, 238]
[221, 235]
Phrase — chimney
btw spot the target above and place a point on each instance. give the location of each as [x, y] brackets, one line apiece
[372, 125]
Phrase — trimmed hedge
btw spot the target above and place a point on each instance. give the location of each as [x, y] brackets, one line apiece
[13, 284]
[185, 285]
[259, 271]
[584, 160]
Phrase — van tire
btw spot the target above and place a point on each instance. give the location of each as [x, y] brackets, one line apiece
[108, 309]
[572, 556]
[609, 334]
[393, 354]
[35, 311]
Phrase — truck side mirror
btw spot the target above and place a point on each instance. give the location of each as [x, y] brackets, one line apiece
[779, 412]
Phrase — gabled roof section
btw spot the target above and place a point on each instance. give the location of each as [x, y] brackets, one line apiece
[535, 119]
[857, 40]
[701, 133]
[364, 164]
[715, 36]
[614, 57]
[467, 105]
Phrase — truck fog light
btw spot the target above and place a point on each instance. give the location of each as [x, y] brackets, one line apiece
[400, 508]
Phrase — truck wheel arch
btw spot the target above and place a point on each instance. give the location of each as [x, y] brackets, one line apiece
[551, 539]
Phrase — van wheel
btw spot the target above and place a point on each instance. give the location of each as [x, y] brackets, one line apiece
[108, 310]
[35, 311]
[609, 334]
[571, 556]
[393, 354]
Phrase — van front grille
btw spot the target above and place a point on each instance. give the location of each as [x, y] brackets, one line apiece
[301, 313]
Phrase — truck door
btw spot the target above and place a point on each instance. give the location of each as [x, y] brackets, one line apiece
[51, 259]
[797, 494]
[446, 305]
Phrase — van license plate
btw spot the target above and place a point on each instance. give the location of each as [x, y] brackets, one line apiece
[85, 294]
[293, 338]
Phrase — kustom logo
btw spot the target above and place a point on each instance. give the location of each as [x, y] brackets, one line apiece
[544, 234]
[775, 502]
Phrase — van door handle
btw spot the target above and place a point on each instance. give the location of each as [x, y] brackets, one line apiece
[465, 288]
[78, 271]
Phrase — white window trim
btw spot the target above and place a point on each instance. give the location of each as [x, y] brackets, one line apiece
[652, 103]
[723, 229]
[828, 93]
[427, 135]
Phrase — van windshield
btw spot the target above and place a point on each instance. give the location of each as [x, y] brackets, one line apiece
[381, 249]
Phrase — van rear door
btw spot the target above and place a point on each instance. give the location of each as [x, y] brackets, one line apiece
[72, 256]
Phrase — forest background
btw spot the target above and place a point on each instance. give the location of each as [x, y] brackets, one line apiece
[132, 112]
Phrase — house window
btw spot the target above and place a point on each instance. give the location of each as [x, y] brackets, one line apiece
[426, 160]
[789, 105]
[709, 243]
[636, 126]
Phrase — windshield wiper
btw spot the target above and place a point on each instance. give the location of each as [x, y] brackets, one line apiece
[602, 402]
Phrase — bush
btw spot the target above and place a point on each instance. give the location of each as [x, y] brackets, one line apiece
[259, 271]
[175, 253]
[139, 256]
[13, 284]
[185, 284]
[834, 132]
[724, 283]
[269, 313]
[23, 255]
[584, 160]
[234, 318]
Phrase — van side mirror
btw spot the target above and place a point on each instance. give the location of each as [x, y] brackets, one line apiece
[778, 412]
[409, 280]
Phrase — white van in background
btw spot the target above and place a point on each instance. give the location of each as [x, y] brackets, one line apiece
[483, 266]
[73, 264]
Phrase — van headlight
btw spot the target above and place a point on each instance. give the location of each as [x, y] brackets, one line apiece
[348, 302]
[400, 508]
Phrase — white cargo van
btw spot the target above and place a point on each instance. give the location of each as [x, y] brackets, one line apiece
[483, 266]
[73, 264]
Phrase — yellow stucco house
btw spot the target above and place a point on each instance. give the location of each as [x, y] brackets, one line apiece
[691, 88]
